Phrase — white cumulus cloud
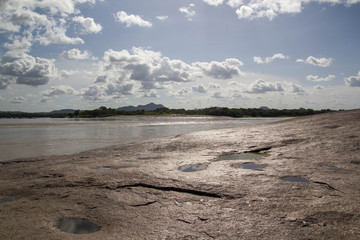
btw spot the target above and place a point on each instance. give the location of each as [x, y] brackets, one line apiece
[221, 70]
[188, 11]
[18, 100]
[272, 8]
[75, 54]
[235, 3]
[161, 18]
[214, 2]
[260, 86]
[315, 78]
[88, 24]
[58, 90]
[260, 60]
[131, 19]
[320, 62]
[353, 81]
[26, 69]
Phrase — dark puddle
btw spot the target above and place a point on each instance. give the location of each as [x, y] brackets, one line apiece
[249, 166]
[105, 168]
[332, 167]
[8, 199]
[193, 167]
[77, 226]
[242, 156]
[295, 179]
[146, 158]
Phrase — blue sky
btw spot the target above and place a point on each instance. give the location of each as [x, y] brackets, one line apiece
[84, 54]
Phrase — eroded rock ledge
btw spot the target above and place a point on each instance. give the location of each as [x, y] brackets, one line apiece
[136, 191]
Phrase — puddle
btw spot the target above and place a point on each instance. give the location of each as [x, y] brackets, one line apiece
[105, 168]
[242, 156]
[8, 199]
[249, 166]
[295, 179]
[77, 226]
[145, 158]
[193, 167]
[332, 167]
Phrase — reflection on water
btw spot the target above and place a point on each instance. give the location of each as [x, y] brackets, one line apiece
[20, 138]
[249, 166]
[8, 199]
[193, 167]
[242, 156]
[295, 179]
[77, 226]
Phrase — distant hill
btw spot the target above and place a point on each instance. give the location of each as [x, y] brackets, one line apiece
[63, 111]
[147, 107]
[264, 108]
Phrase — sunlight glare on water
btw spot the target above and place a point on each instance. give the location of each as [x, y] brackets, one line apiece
[21, 138]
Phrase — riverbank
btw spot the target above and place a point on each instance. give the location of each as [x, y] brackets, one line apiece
[136, 191]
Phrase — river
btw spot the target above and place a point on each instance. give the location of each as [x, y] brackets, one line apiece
[21, 138]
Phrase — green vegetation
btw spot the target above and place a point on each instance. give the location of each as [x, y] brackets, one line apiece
[213, 111]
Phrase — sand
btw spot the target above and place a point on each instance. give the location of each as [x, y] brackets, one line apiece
[136, 191]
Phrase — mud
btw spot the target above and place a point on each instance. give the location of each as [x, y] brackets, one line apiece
[151, 199]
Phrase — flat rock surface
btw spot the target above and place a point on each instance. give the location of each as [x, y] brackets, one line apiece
[137, 191]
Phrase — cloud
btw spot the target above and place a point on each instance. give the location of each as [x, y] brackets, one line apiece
[26, 69]
[188, 12]
[235, 3]
[5, 81]
[75, 54]
[320, 62]
[353, 81]
[261, 86]
[218, 95]
[295, 88]
[214, 85]
[147, 67]
[58, 90]
[45, 22]
[141, 72]
[18, 100]
[199, 88]
[131, 19]
[180, 93]
[94, 93]
[272, 8]
[88, 24]
[19, 44]
[260, 60]
[318, 87]
[161, 18]
[244, 12]
[214, 2]
[221, 70]
[316, 78]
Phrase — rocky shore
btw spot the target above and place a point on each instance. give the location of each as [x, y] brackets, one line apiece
[183, 187]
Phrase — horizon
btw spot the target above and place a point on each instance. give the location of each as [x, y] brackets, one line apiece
[189, 54]
[186, 109]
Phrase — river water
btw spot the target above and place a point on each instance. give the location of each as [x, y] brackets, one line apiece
[21, 138]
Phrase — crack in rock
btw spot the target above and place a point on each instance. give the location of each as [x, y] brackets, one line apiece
[328, 186]
[178, 189]
[143, 204]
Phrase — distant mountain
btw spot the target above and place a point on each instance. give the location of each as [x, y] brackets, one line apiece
[264, 108]
[147, 107]
[63, 111]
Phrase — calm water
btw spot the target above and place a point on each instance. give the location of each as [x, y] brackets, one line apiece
[21, 138]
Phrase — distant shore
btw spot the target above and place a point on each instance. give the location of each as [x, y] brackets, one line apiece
[307, 186]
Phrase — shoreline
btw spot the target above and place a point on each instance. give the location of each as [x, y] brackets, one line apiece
[136, 190]
[90, 134]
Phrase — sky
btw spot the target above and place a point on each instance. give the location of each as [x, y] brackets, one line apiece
[83, 54]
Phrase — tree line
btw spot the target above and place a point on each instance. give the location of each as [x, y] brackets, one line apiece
[212, 111]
